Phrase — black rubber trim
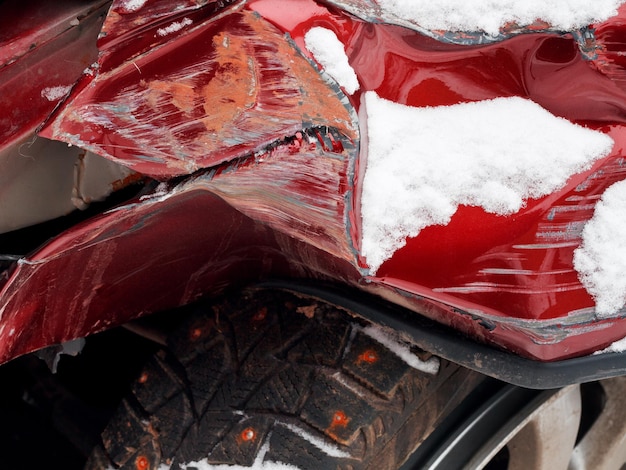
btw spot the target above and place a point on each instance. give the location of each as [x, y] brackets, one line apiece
[449, 344]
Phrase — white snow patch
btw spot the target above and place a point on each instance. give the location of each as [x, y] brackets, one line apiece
[601, 258]
[258, 464]
[328, 449]
[616, 347]
[422, 163]
[54, 93]
[174, 27]
[490, 15]
[330, 53]
[403, 351]
[132, 5]
[337, 376]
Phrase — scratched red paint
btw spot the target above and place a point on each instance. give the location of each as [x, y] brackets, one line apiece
[45, 44]
[230, 94]
[237, 87]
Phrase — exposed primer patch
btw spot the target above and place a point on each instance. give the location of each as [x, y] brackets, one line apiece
[601, 258]
[330, 53]
[55, 93]
[174, 27]
[402, 350]
[422, 163]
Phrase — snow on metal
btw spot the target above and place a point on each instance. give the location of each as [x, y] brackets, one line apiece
[601, 258]
[423, 163]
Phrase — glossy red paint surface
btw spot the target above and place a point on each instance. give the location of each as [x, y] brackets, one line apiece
[500, 268]
[148, 255]
[50, 48]
[136, 259]
[222, 92]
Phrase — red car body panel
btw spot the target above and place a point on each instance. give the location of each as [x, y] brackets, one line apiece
[225, 89]
[265, 149]
[43, 49]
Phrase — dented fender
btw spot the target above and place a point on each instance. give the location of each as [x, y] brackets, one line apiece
[262, 154]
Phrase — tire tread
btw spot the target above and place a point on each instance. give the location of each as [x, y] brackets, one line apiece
[268, 375]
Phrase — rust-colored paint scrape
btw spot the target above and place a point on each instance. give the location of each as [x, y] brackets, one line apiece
[180, 94]
[221, 90]
[233, 89]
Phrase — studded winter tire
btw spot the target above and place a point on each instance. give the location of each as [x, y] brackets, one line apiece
[270, 377]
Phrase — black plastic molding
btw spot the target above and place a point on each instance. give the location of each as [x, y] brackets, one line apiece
[453, 346]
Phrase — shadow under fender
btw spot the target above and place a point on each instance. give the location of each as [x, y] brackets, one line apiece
[270, 376]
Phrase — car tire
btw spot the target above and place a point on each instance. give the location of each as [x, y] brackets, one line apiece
[278, 380]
